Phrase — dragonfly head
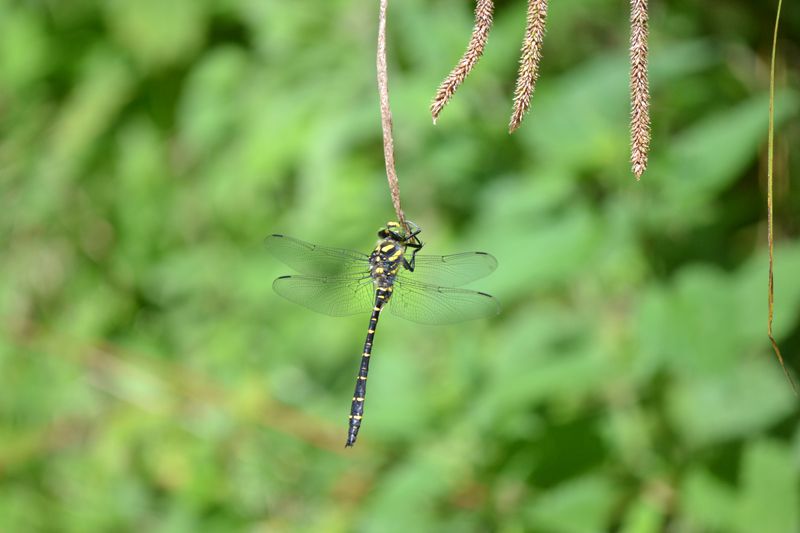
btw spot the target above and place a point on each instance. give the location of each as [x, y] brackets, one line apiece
[402, 234]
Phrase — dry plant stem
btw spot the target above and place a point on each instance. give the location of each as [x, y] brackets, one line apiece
[477, 42]
[386, 116]
[530, 58]
[640, 90]
[770, 227]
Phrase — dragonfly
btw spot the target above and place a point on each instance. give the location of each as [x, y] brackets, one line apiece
[420, 288]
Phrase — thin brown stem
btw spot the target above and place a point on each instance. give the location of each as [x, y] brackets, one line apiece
[640, 90]
[770, 226]
[386, 115]
[477, 42]
[530, 58]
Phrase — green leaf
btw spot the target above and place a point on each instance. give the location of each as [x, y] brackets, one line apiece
[581, 505]
[157, 33]
[708, 156]
[749, 398]
[706, 503]
[769, 500]
[643, 516]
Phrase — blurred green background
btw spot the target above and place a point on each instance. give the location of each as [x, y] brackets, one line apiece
[150, 380]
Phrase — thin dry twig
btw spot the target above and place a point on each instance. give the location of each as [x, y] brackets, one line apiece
[477, 42]
[530, 57]
[770, 227]
[640, 90]
[386, 116]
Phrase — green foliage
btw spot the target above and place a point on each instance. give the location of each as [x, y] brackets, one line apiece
[152, 381]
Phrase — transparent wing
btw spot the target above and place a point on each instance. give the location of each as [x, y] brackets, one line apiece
[451, 270]
[315, 260]
[429, 304]
[336, 296]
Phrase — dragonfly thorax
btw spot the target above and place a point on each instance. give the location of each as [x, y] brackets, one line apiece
[385, 260]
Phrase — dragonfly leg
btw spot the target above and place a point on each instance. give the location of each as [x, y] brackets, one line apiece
[415, 247]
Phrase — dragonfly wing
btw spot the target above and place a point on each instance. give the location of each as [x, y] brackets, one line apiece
[430, 304]
[451, 270]
[336, 296]
[315, 260]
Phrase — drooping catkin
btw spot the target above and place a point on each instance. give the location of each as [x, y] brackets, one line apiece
[640, 90]
[530, 58]
[480, 33]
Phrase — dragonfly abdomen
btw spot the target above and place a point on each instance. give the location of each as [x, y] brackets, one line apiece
[357, 407]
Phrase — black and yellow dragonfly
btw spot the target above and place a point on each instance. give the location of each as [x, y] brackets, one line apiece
[422, 288]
